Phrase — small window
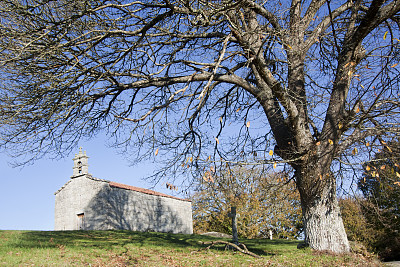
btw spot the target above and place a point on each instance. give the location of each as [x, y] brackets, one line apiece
[80, 170]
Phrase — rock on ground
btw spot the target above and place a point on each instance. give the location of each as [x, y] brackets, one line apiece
[392, 264]
[217, 234]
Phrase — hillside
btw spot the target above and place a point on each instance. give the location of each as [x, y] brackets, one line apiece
[124, 248]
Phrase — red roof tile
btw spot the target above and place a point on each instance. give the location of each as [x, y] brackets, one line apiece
[142, 190]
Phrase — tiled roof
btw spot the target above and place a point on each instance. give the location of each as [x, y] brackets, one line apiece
[142, 190]
[123, 186]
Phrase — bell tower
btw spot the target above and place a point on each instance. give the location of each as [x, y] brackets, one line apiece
[80, 163]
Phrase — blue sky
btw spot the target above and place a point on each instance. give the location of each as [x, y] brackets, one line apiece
[27, 194]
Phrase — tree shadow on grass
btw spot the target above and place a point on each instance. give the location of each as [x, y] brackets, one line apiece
[112, 238]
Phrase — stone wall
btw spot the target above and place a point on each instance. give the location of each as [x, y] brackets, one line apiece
[91, 204]
[73, 198]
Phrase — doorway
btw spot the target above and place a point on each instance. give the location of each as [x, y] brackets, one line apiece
[81, 221]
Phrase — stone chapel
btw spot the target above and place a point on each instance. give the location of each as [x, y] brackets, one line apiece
[89, 203]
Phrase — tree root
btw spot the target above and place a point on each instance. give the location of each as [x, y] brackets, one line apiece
[243, 250]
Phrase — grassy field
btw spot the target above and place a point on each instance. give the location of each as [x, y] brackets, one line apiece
[125, 248]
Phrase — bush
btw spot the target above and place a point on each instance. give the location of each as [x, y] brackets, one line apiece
[355, 223]
[380, 186]
[364, 224]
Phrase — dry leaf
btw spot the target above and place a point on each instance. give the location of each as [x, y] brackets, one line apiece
[394, 65]
[383, 167]
[390, 150]
[367, 144]
[271, 152]
[248, 124]
[274, 165]
[220, 119]
[355, 150]
[398, 174]
[318, 143]
[156, 153]
[384, 36]
[238, 109]
[340, 125]
[216, 139]
[330, 141]
[357, 110]
[368, 168]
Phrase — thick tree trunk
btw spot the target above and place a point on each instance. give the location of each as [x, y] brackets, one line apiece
[323, 225]
[324, 228]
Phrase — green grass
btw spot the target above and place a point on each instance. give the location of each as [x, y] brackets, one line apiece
[125, 248]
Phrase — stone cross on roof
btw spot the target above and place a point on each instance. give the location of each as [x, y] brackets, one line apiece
[80, 163]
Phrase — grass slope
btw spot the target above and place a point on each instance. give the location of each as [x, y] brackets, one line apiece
[125, 248]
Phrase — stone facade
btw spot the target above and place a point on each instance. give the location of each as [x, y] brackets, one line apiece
[88, 203]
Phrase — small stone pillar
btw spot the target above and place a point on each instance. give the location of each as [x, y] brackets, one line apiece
[232, 215]
[270, 234]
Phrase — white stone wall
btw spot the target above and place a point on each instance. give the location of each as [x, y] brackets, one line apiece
[73, 199]
[106, 207]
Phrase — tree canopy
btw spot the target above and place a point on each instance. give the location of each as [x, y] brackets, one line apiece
[381, 189]
[264, 202]
[300, 83]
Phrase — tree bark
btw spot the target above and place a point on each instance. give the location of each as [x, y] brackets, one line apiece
[232, 214]
[323, 225]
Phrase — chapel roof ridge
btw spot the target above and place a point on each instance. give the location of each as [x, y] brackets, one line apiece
[123, 186]
[143, 190]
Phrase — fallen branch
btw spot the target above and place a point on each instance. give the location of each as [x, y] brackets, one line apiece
[243, 250]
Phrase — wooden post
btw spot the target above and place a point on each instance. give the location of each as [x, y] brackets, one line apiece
[232, 215]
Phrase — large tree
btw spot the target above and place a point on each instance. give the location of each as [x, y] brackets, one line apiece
[203, 82]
